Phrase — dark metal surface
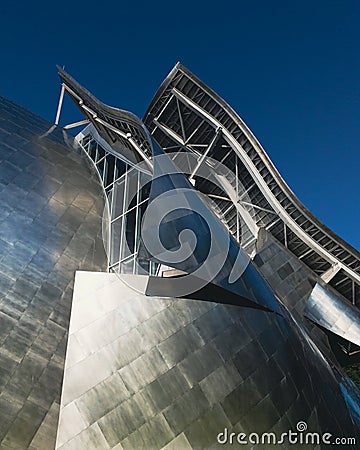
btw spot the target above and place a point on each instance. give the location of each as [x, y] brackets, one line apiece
[50, 225]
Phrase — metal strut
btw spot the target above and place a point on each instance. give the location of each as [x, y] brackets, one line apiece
[61, 99]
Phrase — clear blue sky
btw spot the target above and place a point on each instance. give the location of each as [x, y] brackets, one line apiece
[290, 69]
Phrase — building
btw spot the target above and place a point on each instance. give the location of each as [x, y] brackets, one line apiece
[220, 303]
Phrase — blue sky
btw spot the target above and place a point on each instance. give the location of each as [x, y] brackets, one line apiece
[290, 69]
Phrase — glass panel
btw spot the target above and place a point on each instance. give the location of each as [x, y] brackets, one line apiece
[120, 168]
[118, 199]
[132, 188]
[153, 267]
[145, 182]
[110, 165]
[141, 210]
[115, 241]
[100, 167]
[128, 241]
[109, 191]
[142, 267]
[100, 153]
[92, 150]
[127, 266]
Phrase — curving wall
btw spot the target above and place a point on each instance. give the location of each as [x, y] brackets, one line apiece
[51, 205]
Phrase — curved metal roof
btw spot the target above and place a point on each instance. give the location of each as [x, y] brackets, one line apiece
[121, 129]
[185, 115]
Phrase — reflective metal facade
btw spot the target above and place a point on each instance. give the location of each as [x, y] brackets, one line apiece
[167, 373]
[51, 205]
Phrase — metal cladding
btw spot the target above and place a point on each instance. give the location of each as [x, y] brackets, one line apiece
[50, 226]
[230, 266]
[155, 372]
[217, 257]
[327, 310]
